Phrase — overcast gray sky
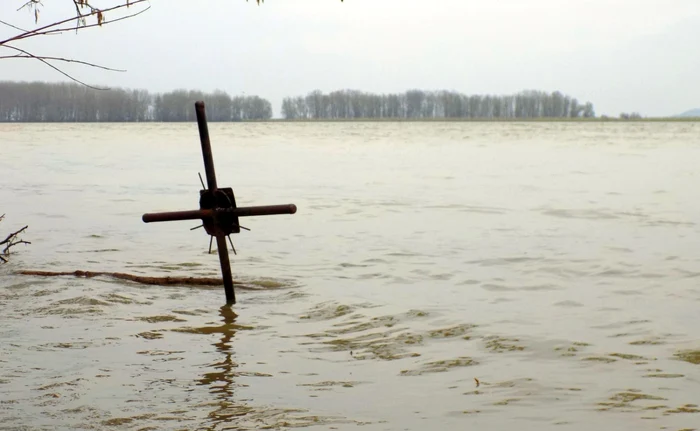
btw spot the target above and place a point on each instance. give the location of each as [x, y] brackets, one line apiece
[622, 55]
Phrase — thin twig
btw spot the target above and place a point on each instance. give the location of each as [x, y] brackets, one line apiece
[84, 26]
[67, 60]
[11, 241]
[12, 244]
[21, 29]
[12, 235]
[41, 59]
[28, 3]
[13, 26]
[77, 11]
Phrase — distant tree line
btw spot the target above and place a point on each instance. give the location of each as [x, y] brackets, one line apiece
[417, 104]
[69, 102]
[631, 116]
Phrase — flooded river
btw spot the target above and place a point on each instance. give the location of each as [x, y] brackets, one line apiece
[436, 276]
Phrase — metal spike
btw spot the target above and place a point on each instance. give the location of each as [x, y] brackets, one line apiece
[201, 181]
[231, 242]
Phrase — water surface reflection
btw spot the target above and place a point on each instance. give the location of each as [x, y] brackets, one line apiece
[221, 381]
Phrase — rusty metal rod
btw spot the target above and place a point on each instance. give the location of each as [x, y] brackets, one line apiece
[206, 145]
[177, 216]
[225, 269]
[205, 214]
[261, 210]
[211, 183]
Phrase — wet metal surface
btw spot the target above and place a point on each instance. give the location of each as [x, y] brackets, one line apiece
[557, 264]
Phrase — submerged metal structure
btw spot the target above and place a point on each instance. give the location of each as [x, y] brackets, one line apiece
[217, 208]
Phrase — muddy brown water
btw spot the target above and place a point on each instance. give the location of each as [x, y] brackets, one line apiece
[436, 276]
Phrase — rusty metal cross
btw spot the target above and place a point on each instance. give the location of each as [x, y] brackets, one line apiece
[217, 208]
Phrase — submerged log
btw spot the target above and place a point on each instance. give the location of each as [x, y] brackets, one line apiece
[161, 281]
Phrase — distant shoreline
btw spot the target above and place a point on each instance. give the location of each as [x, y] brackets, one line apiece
[492, 120]
[400, 120]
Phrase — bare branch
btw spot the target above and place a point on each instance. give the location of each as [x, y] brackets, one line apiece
[24, 30]
[11, 236]
[67, 75]
[11, 241]
[58, 27]
[29, 3]
[67, 60]
[13, 26]
[48, 28]
[85, 26]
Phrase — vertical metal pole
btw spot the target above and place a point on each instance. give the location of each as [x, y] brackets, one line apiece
[211, 183]
[225, 269]
[206, 146]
